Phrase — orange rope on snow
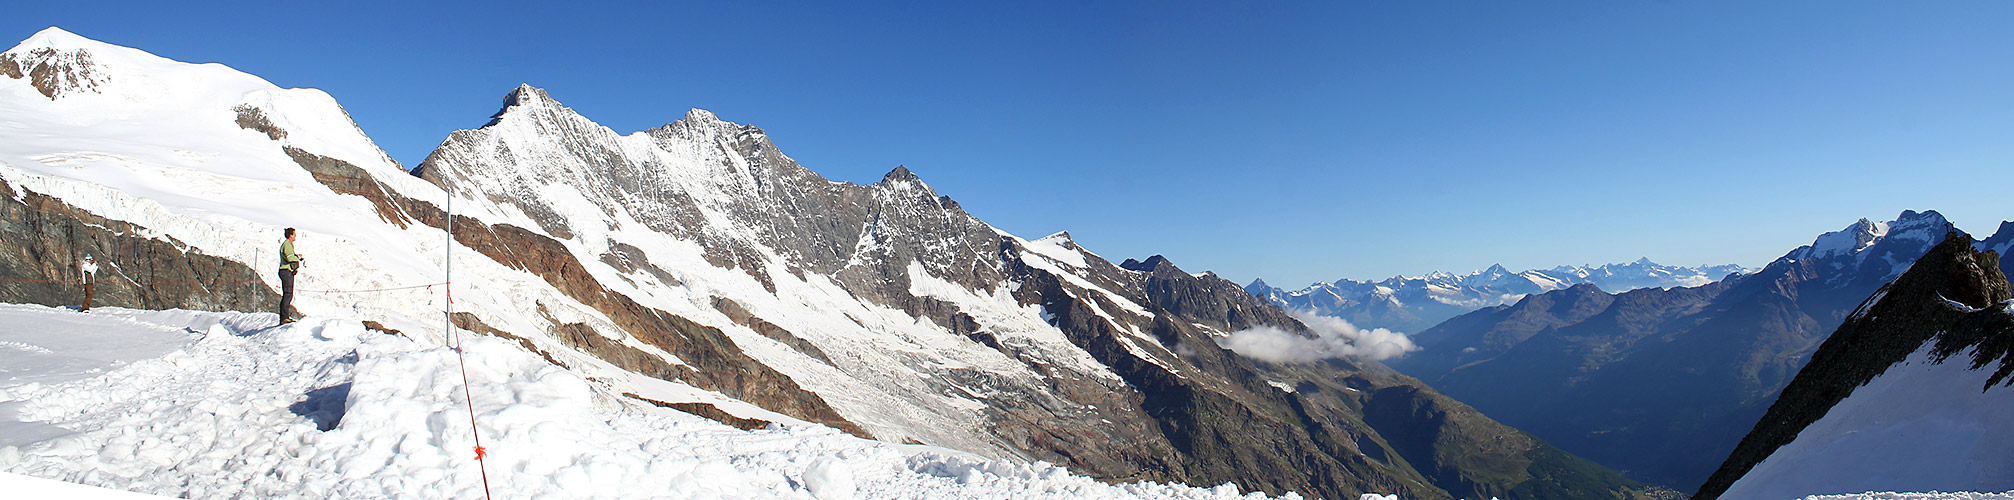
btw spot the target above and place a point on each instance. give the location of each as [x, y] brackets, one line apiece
[448, 324]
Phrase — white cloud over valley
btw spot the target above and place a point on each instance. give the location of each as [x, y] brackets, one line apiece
[1334, 338]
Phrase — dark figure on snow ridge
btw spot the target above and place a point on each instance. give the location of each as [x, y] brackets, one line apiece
[290, 263]
[86, 269]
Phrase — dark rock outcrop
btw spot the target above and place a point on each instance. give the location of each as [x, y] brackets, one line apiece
[45, 239]
[52, 72]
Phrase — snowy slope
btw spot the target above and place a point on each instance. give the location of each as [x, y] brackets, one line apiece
[1920, 426]
[1909, 393]
[238, 408]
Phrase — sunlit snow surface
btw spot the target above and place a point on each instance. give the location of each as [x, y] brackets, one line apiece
[227, 405]
[1919, 426]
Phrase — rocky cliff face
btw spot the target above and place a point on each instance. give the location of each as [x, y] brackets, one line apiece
[1953, 303]
[1659, 383]
[47, 238]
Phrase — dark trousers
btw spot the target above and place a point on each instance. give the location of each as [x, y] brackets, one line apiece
[87, 295]
[286, 292]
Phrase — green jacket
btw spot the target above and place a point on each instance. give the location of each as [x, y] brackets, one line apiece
[289, 261]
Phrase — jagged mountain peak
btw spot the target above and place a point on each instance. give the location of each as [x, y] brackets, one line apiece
[1152, 265]
[1910, 233]
[527, 100]
[58, 38]
[1924, 225]
[60, 63]
[525, 94]
[901, 173]
[1061, 239]
[701, 116]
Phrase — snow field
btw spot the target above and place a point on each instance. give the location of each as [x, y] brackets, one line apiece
[1920, 426]
[226, 405]
[1934, 495]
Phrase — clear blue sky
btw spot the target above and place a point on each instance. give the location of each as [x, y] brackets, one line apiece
[1295, 141]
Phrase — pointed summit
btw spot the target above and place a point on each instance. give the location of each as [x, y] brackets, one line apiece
[698, 116]
[901, 174]
[523, 98]
[1154, 264]
[527, 94]
[57, 63]
[56, 38]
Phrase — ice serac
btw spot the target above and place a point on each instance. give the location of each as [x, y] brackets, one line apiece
[1660, 382]
[1910, 393]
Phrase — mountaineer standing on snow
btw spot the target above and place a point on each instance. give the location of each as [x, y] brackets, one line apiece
[290, 263]
[88, 268]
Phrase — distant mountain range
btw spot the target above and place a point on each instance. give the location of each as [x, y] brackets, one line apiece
[1661, 383]
[1412, 304]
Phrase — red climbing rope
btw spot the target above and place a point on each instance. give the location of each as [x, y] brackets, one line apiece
[447, 279]
[467, 396]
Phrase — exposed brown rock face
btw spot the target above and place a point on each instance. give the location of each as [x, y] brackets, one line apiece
[709, 411]
[741, 316]
[44, 238]
[54, 73]
[345, 178]
[252, 118]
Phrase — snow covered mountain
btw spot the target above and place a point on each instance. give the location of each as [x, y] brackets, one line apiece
[691, 266]
[1660, 383]
[1910, 393]
[1413, 304]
